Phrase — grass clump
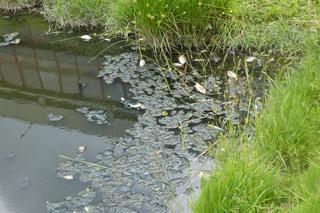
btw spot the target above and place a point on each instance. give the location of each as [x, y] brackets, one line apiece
[172, 23]
[76, 13]
[17, 4]
[287, 132]
[241, 185]
[307, 191]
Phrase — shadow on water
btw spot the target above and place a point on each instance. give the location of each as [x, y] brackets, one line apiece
[40, 76]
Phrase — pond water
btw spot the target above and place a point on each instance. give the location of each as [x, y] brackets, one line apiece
[41, 76]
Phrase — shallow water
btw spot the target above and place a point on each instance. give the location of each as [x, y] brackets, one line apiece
[41, 76]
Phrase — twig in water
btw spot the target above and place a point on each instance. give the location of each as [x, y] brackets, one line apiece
[104, 50]
[207, 150]
[92, 164]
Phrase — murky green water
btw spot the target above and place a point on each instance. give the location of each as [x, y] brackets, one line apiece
[37, 77]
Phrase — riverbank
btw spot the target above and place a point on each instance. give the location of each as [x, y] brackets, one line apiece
[172, 25]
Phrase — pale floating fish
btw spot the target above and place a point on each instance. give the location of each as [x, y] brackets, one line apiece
[54, 117]
[200, 88]
[15, 41]
[86, 38]
[142, 63]
[10, 36]
[251, 59]
[68, 177]
[82, 149]
[182, 59]
[232, 75]
[4, 44]
[137, 106]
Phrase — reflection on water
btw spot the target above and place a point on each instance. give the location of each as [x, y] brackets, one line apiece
[36, 78]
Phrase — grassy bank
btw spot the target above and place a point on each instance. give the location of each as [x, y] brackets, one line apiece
[277, 170]
[248, 24]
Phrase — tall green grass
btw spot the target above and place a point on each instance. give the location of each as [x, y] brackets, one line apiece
[287, 132]
[242, 185]
[173, 22]
[287, 139]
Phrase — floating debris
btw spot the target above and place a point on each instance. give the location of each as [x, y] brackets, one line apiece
[23, 182]
[54, 117]
[96, 116]
[86, 38]
[137, 106]
[10, 155]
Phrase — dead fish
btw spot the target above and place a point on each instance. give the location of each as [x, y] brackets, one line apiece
[86, 38]
[137, 106]
[10, 36]
[82, 149]
[182, 59]
[15, 41]
[142, 63]
[68, 177]
[200, 88]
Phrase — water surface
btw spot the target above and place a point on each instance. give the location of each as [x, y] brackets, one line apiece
[44, 75]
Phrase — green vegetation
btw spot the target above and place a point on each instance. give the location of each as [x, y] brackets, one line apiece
[17, 4]
[287, 139]
[247, 24]
[76, 13]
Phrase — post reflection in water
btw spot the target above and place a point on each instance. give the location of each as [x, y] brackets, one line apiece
[50, 70]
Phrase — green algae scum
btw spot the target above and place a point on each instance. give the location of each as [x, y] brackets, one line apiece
[159, 106]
